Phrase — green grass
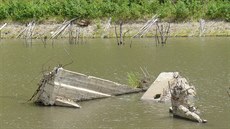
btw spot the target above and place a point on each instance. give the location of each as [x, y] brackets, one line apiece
[182, 10]
[133, 80]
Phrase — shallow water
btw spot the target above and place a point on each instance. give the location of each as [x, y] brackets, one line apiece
[204, 61]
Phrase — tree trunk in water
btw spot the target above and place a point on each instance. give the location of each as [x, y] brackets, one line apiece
[121, 36]
[162, 35]
[70, 33]
[116, 34]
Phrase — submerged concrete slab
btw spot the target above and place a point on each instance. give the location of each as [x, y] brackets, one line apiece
[66, 103]
[158, 87]
[64, 88]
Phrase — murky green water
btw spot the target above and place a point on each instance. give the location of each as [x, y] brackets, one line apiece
[204, 61]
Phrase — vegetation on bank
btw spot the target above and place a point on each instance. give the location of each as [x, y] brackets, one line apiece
[169, 10]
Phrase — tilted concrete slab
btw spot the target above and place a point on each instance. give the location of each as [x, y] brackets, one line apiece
[66, 103]
[158, 87]
[64, 88]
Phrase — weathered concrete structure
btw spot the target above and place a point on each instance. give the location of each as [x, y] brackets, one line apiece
[182, 99]
[159, 90]
[170, 86]
[65, 88]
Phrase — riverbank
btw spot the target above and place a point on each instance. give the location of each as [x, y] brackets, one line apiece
[101, 29]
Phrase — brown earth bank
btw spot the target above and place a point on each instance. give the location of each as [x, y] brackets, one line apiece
[98, 29]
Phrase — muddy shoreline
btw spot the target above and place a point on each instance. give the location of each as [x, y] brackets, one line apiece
[97, 29]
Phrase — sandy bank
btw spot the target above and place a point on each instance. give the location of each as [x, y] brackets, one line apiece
[97, 29]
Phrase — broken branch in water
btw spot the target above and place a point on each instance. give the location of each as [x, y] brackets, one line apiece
[21, 32]
[27, 32]
[62, 28]
[126, 33]
[145, 72]
[3, 26]
[69, 57]
[1, 30]
[144, 29]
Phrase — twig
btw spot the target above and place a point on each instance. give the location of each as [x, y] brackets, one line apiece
[146, 71]
[143, 72]
[62, 28]
[146, 27]
[3, 26]
[125, 34]
[70, 58]
[21, 32]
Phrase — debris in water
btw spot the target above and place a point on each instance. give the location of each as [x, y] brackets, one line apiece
[182, 97]
[64, 88]
[170, 86]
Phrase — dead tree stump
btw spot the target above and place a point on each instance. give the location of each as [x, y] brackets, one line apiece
[120, 38]
[162, 33]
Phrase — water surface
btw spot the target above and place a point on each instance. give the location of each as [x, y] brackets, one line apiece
[204, 61]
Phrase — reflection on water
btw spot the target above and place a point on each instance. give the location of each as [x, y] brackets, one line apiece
[204, 61]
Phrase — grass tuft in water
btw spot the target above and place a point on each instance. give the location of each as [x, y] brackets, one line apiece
[134, 80]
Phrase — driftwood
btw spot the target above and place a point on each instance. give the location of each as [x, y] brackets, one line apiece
[3, 26]
[1, 30]
[147, 26]
[27, 33]
[145, 72]
[62, 28]
[68, 26]
[20, 33]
